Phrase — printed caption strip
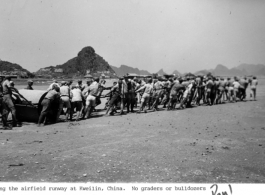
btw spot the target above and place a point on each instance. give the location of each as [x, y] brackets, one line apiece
[131, 188]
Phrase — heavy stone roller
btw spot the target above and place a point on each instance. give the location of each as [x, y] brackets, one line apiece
[28, 105]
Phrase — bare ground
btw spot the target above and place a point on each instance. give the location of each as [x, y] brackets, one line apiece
[222, 143]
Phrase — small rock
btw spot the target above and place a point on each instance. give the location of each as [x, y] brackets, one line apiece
[225, 147]
[84, 175]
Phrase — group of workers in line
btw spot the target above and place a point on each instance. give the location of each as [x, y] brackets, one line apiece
[179, 90]
[149, 93]
[128, 93]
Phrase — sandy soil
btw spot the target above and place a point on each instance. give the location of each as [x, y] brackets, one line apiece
[222, 143]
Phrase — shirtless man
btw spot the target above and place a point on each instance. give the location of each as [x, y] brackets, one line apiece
[236, 86]
[115, 97]
[225, 96]
[167, 88]
[230, 85]
[177, 87]
[221, 90]
[243, 89]
[188, 86]
[93, 92]
[158, 89]
[148, 89]
[253, 87]
[215, 90]
[199, 90]
[209, 88]
[8, 104]
[192, 90]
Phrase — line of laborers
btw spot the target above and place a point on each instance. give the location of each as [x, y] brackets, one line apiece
[127, 93]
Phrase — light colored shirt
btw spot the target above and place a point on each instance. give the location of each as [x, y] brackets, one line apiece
[77, 95]
[236, 84]
[253, 84]
[94, 83]
[65, 90]
[52, 94]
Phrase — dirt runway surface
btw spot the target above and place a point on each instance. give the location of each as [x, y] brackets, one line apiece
[221, 143]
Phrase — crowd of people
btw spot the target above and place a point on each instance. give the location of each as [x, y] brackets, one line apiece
[152, 94]
[127, 94]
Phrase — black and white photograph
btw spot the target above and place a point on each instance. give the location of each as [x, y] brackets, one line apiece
[132, 92]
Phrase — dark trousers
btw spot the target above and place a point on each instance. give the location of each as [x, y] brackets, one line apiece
[129, 100]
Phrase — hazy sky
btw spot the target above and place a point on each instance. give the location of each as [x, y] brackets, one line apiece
[186, 35]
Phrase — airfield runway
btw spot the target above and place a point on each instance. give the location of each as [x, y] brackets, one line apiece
[221, 143]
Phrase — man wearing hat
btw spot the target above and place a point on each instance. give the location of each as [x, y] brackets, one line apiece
[65, 96]
[8, 104]
[29, 86]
